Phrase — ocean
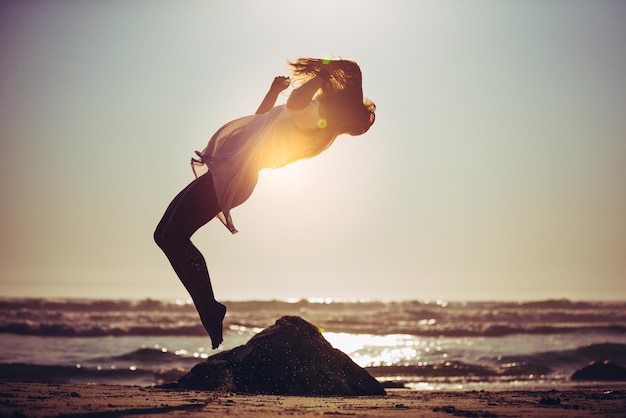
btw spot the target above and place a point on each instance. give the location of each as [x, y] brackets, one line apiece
[420, 345]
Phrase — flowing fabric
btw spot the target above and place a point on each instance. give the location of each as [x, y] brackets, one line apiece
[241, 148]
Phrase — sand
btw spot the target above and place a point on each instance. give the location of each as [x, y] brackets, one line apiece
[46, 400]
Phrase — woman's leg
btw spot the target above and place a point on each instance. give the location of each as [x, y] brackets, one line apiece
[192, 208]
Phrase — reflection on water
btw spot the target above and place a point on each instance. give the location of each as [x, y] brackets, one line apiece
[385, 350]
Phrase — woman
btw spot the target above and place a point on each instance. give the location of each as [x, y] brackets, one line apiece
[328, 102]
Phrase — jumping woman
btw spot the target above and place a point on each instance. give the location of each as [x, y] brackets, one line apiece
[328, 102]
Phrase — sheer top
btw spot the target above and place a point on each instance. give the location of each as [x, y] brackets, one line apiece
[241, 148]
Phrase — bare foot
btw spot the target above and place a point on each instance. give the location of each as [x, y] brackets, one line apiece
[214, 327]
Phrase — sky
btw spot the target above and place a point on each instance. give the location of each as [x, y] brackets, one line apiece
[495, 169]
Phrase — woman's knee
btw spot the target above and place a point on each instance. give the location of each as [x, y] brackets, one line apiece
[158, 237]
[165, 238]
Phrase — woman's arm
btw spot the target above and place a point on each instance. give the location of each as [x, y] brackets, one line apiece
[301, 97]
[279, 84]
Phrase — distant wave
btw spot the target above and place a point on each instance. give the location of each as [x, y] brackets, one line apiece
[67, 330]
[150, 357]
[477, 330]
[82, 305]
[89, 318]
[577, 357]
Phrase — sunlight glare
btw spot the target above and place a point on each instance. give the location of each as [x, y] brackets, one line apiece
[183, 302]
[375, 350]
[326, 301]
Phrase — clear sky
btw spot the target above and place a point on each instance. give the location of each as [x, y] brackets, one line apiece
[496, 168]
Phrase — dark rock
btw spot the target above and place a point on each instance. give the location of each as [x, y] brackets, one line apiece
[550, 401]
[601, 370]
[390, 384]
[290, 357]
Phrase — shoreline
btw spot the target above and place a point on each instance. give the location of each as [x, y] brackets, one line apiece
[54, 400]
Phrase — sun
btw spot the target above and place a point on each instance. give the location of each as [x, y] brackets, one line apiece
[285, 180]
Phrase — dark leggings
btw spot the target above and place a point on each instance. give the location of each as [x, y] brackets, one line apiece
[192, 208]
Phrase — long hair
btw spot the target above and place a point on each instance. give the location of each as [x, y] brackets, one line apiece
[343, 91]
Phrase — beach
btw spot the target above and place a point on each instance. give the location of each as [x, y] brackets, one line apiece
[478, 359]
[50, 400]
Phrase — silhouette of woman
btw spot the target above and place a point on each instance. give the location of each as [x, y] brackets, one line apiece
[327, 102]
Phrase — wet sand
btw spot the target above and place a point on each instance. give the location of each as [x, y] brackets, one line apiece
[49, 400]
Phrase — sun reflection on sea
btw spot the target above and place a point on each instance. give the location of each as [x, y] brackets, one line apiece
[379, 350]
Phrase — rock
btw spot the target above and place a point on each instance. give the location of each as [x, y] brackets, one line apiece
[601, 370]
[290, 357]
[550, 401]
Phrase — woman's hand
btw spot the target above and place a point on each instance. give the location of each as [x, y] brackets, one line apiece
[280, 83]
